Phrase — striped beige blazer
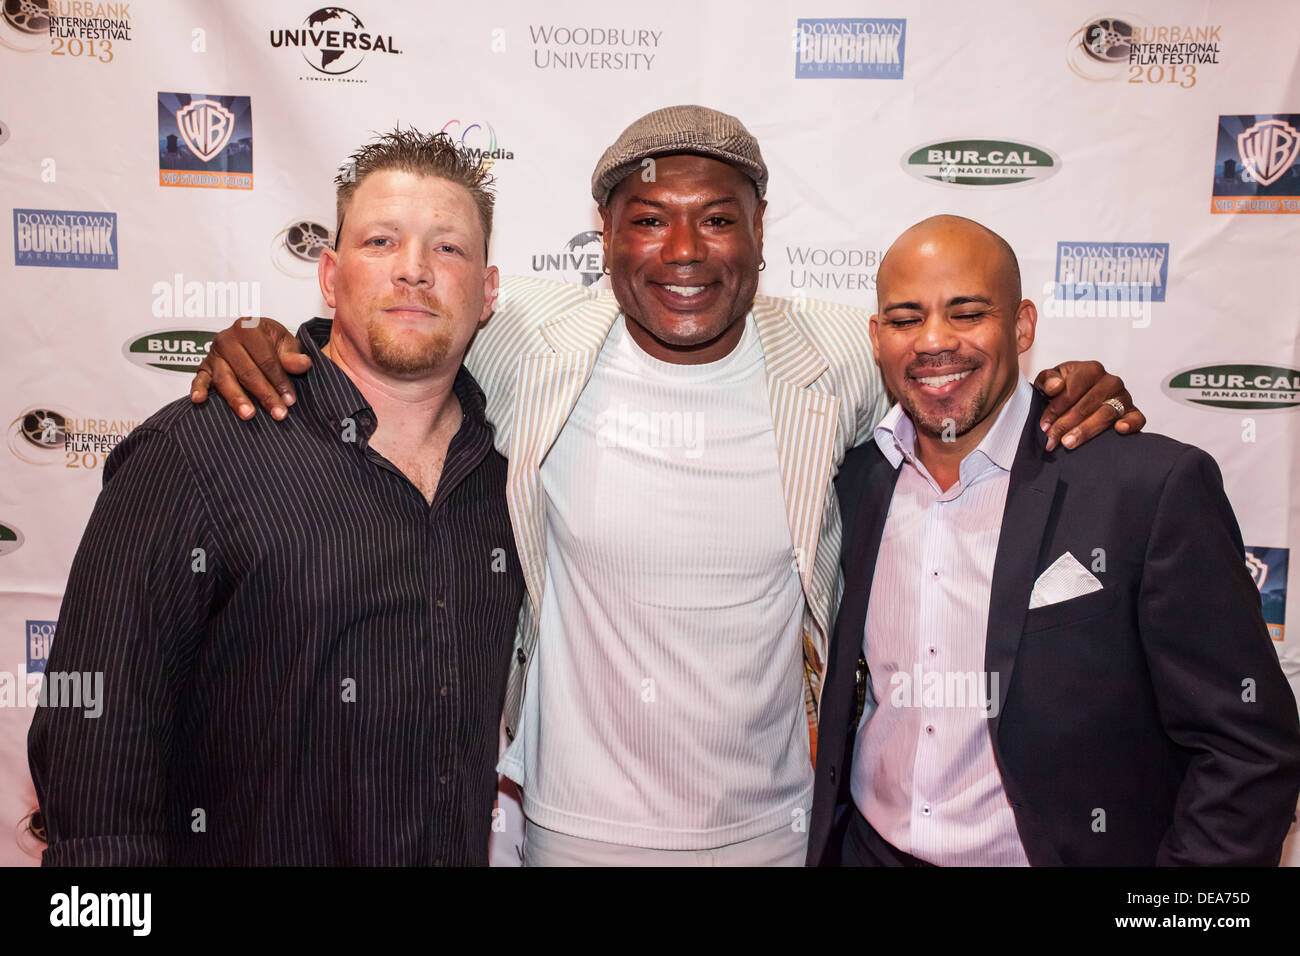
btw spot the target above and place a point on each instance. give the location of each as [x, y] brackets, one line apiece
[534, 357]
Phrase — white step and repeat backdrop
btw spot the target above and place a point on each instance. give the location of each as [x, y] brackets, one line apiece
[168, 166]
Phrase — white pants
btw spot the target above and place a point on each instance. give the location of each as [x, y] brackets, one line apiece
[542, 847]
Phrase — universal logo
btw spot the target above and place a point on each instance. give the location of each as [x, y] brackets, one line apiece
[333, 42]
[1115, 47]
[581, 261]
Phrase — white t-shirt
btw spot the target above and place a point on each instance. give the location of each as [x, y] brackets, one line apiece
[664, 707]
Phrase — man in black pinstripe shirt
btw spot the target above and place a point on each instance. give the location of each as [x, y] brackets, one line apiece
[303, 626]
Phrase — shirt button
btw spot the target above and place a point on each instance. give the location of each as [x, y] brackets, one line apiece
[437, 861]
[440, 603]
[443, 779]
[520, 656]
[442, 691]
[933, 652]
[929, 729]
[925, 810]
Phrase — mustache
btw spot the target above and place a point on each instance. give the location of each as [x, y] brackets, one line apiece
[951, 361]
[419, 300]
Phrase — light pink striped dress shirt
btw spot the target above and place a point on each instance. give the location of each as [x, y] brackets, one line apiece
[923, 771]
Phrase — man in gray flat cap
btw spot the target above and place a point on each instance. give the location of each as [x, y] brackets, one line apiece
[670, 489]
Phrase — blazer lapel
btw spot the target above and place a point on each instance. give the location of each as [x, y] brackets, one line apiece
[804, 420]
[864, 526]
[546, 390]
[1030, 493]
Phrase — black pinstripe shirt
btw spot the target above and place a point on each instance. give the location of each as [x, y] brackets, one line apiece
[303, 661]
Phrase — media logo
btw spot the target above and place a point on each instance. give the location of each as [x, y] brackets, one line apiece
[980, 162]
[65, 238]
[1268, 567]
[205, 141]
[1115, 47]
[11, 539]
[593, 48]
[1123, 271]
[333, 41]
[169, 350]
[1255, 168]
[40, 634]
[581, 261]
[843, 48]
[296, 249]
[479, 140]
[1236, 387]
[46, 436]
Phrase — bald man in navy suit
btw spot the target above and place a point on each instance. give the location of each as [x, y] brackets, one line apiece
[1065, 651]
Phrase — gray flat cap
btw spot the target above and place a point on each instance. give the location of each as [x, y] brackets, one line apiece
[679, 129]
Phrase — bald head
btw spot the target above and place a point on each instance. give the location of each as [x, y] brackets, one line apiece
[951, 327]
[947, 235]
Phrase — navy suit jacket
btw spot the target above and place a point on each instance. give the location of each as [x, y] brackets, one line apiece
[1158, 700]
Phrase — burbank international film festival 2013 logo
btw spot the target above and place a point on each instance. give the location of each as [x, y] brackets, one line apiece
[1114, 47]
[296, 249]
[48, 435]
[65, 28]
[1255, 168]
[205, 141]
[1268, 569]
[980, 162]
[850, 48]
[333, 42]
[65, 238]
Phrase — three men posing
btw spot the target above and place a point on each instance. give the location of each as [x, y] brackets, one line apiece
[658, 696]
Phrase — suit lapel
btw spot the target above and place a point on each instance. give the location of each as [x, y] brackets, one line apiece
[804, 420]
[864, 526]
[546, 390]
[1031, 490]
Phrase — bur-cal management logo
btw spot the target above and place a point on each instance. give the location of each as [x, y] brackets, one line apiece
[205, 141]
[1239, 387]
[1255, 168]
[66, 238]
[850, 48]
[980, 162]
[1268, 569]
[11, 539]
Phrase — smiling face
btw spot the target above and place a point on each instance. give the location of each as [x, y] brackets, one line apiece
[409, 281]
[683, 255]
[950, 327]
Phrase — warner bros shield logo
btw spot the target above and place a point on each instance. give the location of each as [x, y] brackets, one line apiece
[1268, 149]
[206, 127]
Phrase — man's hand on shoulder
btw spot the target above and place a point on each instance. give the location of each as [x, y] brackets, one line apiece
[253, 354]
[1083, 404]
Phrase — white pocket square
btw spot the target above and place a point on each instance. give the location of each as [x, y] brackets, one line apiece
[1065, 579]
